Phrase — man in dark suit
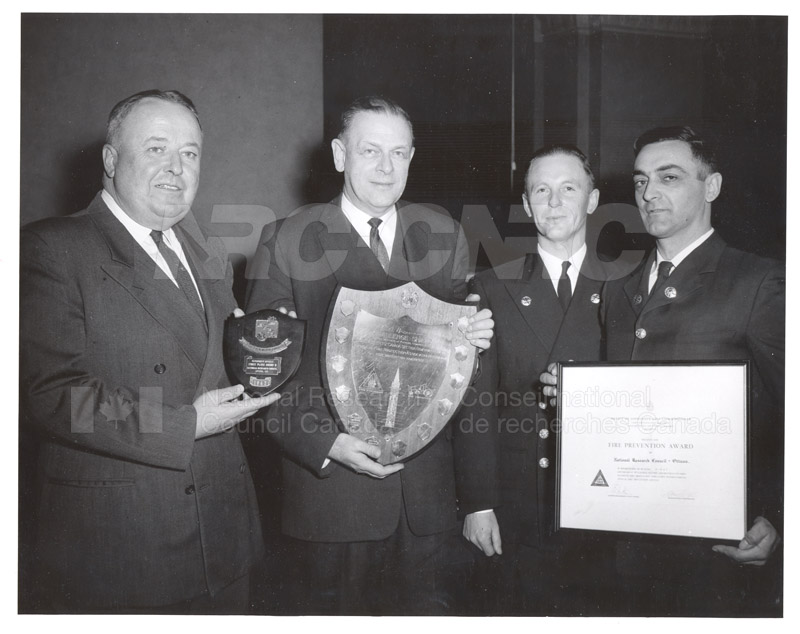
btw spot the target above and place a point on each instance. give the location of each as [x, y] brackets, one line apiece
[367, 538]
[695, 298]
[546, 309]
[146, 505]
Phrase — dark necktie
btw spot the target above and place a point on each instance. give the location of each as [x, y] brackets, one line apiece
[179, 272]
[376, 244]
[664, 269]
[564, 288]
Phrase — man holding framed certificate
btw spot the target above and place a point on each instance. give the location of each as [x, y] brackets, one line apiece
[696, 299]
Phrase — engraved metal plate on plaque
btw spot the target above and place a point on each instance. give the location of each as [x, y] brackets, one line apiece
[397, 364]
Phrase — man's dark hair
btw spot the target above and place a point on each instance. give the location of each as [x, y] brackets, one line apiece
[701, 149]
[372, 103]
[561, 148]
[124, 107]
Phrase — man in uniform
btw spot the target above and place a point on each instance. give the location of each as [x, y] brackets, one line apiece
[546, 309]
[694, 298]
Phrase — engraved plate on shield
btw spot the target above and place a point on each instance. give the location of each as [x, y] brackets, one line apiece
[263, 350]
[397, 365]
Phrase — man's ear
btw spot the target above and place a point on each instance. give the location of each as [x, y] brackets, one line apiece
[109, 160]
[594, 198]
[713, 186]
[339, 154]
[526, 205]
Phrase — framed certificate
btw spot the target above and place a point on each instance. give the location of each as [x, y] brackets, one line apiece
[653, 448]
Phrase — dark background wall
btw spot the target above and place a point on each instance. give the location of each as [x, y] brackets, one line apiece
[485, 91]
[256, 81]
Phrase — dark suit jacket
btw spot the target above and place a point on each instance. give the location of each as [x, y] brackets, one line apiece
[727, 305]
[134, 511]
[298, 264]
[531, 331]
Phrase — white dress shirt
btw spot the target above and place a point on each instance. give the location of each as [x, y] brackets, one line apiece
[360, 221]
[552, 264]
[141, 234]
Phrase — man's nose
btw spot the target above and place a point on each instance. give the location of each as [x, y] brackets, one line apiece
[174, 163]
[555, 199]
[385, 165]
[650, 190]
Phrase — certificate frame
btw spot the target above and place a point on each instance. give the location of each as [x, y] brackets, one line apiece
[662, 466]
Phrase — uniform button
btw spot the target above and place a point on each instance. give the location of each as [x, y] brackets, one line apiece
[242, 468]
[595, 298]
[670, 292]
[525, 301]
[544, 463]
[637, 299]
[543, 433]
[189, 490]
[641, 333]
[160, 368]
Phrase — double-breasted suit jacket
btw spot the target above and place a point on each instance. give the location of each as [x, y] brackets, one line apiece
[298, 265]
[718, 304]
[532, 331]
[133, 511]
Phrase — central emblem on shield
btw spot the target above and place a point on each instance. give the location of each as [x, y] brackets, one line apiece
[409, 365]
[266, 329]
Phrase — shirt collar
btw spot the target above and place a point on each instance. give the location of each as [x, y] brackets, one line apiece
[360, 219]
[682, 255]
[553, 263]
[139, 232]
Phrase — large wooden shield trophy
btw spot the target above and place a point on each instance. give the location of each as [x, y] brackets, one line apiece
[263, 350]
[397, 364]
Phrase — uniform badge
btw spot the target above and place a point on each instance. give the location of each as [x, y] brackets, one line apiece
[526, 301]
[670, 292]
[595, 298]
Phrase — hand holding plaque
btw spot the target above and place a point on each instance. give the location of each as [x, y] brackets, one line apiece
[397, 365]
[263, 350]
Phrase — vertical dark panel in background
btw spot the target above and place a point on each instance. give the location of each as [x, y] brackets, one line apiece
[745, 106]
[453, 75]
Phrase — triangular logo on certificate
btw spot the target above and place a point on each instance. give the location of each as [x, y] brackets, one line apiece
[599, 480]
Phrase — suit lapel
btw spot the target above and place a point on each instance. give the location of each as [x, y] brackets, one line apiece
[133, 269]
[537, 302]
[350, 259]
[635, 286]
[583, 312]
[688, 278]
[209, 267]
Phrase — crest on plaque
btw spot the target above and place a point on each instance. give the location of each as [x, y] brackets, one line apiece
[263, 369]
[408, 365]
[266, 328]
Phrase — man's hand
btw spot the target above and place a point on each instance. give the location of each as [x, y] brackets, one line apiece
[285, 311]
[481, 326]
[758, 544]
[550, 381]
[361, 457]
[482, 530]
[219, 410]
